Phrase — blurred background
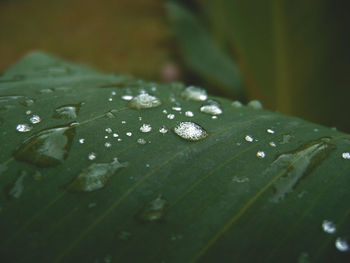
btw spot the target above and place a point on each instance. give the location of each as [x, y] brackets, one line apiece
[292, 55]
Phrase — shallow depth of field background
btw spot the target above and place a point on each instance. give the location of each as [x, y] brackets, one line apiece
[292, 55]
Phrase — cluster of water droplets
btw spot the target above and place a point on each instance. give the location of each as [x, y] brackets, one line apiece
[340, 242]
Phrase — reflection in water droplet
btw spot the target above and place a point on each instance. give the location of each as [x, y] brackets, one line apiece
[297, 165]
[255, 104]
[170, 116]
[141, 141]
[35, 119]
[67, 111]
[176, 108]
[328, 227]
[248, 138]
[190, 131]
[129, 134]
[270, 131]
[144, 101]
[94, 177]
[145, 128]
[341, 244]
[92, 156]
[213, 109]
[154, 211]
[81, 140]
[272, 144]
[16, 189]
[236, 104]
[163, 130]
[24, 127]
[260, 154]
[346, 155]
[194, 93]
[47, 148]
[189, 114]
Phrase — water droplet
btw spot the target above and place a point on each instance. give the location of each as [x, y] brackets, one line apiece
[214, 117]
[140, 118]
[92, 156]
[145, 128]
[67, 111]
[113, 93]
[272, 144]
[176, 108]
[81, 140]
[328, 227]
[194, 93]
[189, 114]
[16, 189]
[170, 116]
[110, 99]
[261, 154]
[127, 97]
[315, 130]
[115, 135]
[154, 211]
[28, 112]
[35, 119]
[163, 130]
[249, 138]
[94, 177]
[213, 109]
[47, 148]
[144, 101]
[147, 165]
[108, 130]
[236, 104]
[341, 244]
[297, 165]
[346, 155]
[106, 136]
[24, 127]
[108, 145]
[165, 111]
[190, 131]
[141, 141]
[270, 131]
[237, 179]
[255, 104]
[129, 134]
[123, 122]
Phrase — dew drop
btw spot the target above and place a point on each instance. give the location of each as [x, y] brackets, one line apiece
[92, 156]
[270, 131]
[108, 145]
[46, 148]
[236, 104]
[28, 112]
[346, 155]
[144, 101]
[108, 130]
[106, 136]
[190, 131]
[249, 138]
[176, 108]
[129, 134]
[272, 144]
[145, 128]
[127, 97]
[140, 118]
[255, 104]
[110, 99]
[35, 119]
[341, 244]
[115, 135]
[214, 117]
[165, 111]
[212, 109]
[163, 130]
[260, 154]
[170, 116]
[328, 227]
[94, 177]
[24, 127]
[141, 141]
[194, 93]
[189, 114]
[67, 111]
[113, 93]
[154, 211]
[81, 140]
[123, 122]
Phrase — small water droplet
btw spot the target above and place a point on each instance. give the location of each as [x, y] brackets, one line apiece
[28, 112]
[328, 227]
[106, 137]
[341, 244]
[170, 116]
[24, 127]
[213, 109]
[145, 128]
[260, 154]
[108, 130]
[108, 145]
[129, 134]
[236, 104]
[154, 211]
[238, 179]
[140, 118]
[272, 144]
[115, 135]
[346, 155]
[119, 140]
[141, 141]
[147, 165]
[270, 131]
[67, 111]
[81, 140]
[214, 117]
[110, 99]
[94, 177]
[249, 138]
[35, 119]
[165, 111]
[113, 93]
[163, 130]
[123, 122]
[190, 131]
[194, 93]
[92, 156]
[144, 101]
[28, 102]
[189, 114]
[255, 104]
[176, 108]
[127, 97]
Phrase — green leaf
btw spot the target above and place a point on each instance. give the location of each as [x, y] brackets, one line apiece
[201, 53]
[250, 186]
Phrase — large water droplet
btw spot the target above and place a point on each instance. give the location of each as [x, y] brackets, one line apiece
[67, 111]
[213, 109]
[47, 148]
[145, 128]
[154, 211]
[297, 165]
[144, 101]
[24, 127]
[194, 93]
[190, 131]
[328, 227]
[255, 104]
[35, 119]
[94, 177]
[341, 244]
